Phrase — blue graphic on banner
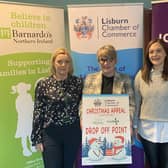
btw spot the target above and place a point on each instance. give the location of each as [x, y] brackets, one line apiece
[129, 61]
[84, 64]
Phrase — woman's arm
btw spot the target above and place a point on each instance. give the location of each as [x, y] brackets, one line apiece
[38, 115]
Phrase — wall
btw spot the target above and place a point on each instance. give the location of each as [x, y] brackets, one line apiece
[63, 3]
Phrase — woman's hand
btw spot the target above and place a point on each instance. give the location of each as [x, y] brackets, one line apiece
[40, 147]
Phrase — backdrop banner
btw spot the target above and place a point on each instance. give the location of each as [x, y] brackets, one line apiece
[28, 36]
[119, 24]
[92, 26]
[159, 26]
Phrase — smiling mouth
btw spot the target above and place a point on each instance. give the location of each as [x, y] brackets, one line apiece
[106, 68]
[155, 59]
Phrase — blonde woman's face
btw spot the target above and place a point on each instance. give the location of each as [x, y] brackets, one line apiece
[157, 55]
[62, 66]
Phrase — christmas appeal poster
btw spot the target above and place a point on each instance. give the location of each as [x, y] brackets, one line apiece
[106, 130]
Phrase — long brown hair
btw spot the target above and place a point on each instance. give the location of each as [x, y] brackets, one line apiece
[148, 65]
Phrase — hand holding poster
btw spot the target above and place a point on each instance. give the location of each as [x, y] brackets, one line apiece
[106, 130]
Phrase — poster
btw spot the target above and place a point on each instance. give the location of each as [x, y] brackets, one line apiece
[92, 26]
[28, 36]
[106, 130]
[160, 26]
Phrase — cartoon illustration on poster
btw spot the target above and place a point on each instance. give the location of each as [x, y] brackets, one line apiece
[24, 107]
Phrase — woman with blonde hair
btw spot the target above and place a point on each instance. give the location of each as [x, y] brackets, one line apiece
[109, 81]
[56, 125]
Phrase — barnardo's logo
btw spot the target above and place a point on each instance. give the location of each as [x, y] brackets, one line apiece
[5, 33]
[40, 37]
[84, 27]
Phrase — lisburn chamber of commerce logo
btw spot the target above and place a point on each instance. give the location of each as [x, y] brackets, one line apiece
[83, 27]
[97, 102]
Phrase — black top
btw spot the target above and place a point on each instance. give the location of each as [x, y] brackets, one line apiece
[56, 102]
[107, 85]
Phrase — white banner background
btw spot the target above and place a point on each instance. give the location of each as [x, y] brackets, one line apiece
[118, 24]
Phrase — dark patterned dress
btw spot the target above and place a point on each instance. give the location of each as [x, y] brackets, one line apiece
[56, 103]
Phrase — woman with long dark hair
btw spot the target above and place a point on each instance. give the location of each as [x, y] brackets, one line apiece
[151, 95]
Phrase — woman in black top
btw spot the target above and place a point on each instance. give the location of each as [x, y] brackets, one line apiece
[109, 81]
[56, 127]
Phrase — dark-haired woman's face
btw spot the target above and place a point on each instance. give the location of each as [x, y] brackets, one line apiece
[157, 55]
